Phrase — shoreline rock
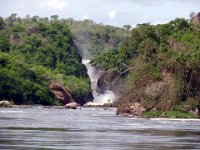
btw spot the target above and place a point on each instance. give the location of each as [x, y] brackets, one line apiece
[61, 93]
[134, 109]
[72, 105]
[5, 103]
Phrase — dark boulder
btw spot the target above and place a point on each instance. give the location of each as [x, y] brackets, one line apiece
[72, 105]
[105, 81]
[5, 103]
[83, 99]
[61, 93]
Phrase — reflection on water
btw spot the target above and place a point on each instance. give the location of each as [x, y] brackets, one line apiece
[92, 128]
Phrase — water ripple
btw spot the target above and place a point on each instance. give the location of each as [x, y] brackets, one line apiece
[92, 128]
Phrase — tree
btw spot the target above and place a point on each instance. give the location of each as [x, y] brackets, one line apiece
[54, 17]
[46, 19]
[127, 27]
[35, 18]
[179, 24]
[4, 41]
[13, 16]
[192, 14]
[27, 18]
[2, 24]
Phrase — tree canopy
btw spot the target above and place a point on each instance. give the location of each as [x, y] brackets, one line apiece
[158, 65]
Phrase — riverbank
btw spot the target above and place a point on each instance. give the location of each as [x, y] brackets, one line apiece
[149, 114]
[140, 110]
[59, 107]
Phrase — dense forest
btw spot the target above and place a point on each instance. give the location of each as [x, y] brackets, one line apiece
[34, 54]
[38, 52]
[157, 66]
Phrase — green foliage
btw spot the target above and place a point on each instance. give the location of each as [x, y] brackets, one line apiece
[153, 72]
[4, 39]
[109, 60]
[94, 38]
[34, 53]
[79, 87]
[153, 113]
[127, 27]
[2, 24]
[162, 59]
[178, 114]
[18, 82]
[168, 114]
[179, 24]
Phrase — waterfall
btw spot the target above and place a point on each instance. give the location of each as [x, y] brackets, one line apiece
[99, 99]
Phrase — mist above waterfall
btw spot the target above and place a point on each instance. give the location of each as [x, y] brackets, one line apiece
[90, 39]
[94, 74]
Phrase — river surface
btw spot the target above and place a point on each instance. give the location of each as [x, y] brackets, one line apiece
[92, 129]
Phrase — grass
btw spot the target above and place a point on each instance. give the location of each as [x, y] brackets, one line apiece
[169, 114]
[179, 114]
[152, 113]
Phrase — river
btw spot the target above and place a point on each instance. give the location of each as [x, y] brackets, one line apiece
[92, 129]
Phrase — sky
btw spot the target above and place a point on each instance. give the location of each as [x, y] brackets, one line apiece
[109, 12]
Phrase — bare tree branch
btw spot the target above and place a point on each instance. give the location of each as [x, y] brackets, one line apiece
[121, 73]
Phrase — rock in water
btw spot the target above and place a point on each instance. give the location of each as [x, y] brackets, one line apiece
[5, 103]
[61, 93]
[72, 105]
[135, 109]
[125, 110]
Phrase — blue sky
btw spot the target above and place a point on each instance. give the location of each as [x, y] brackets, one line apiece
[112, 12]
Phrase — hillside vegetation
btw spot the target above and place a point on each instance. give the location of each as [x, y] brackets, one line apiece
[157, 66]
[93, 38]
[35, 53]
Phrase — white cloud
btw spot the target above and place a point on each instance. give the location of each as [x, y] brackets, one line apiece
[85, 17]
[112, 14]
[57, 4]
[18, 7]
[150, 2]
[156, 21]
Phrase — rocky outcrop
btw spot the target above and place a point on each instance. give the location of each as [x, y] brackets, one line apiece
[82, 99]
[134, 109]
[72, 105]
[5, 103]
[61, 93]
[105, 81]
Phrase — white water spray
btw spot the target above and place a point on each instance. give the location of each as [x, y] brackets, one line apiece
[99, 99]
